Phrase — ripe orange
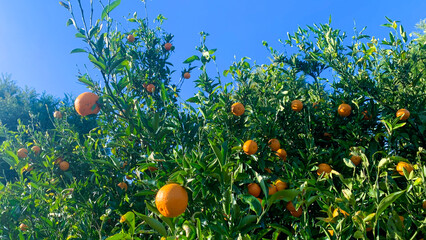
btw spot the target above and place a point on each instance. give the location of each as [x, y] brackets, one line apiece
[152, 169]
[323, 168]
[327, 136]
[250, 147]
[281, 185]
[297, 213]
[282, 154]
[344, 110]
[86, 104]
[404, 112]
[23, 227]
[36, 149]
[274, 144]
[408, 167]
[260, 200]
[59, 160]
[130, 38]
[337, 210]
[424, 205]
[367, 116]
[272, 189]
[296, 105]
[187, 75]
[254, 189]
[64, 165]
[237, 109]
[123, 186]
[171, 200]
[168, 46]
[22, 153]
[57, 115]
[293, 211]
[290, 207]
[150, 88]
[356, 160]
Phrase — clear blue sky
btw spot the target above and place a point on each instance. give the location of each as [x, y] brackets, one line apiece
[35, 43]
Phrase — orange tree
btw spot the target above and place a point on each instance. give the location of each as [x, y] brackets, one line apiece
[332, 176]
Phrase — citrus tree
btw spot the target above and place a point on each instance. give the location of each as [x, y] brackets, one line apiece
[281, 151]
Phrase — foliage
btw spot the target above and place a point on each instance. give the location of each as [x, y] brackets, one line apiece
[149, 139]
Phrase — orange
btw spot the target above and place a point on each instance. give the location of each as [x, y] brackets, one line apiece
[237, 109]
[23, 227]
[171, 200]
[86, 104]
[168, 46]
[123, 186]
[57, 115]
[187, 75]
[290, 207]
[367, 116]
[327, 136]
[59, 160]
[293, 211]
[274, 144]
[130, 38]
[344, 110]
[150, 88]
[22, 153]
[250, 147]
[337, 210]
[272, 189]
[296, 105]
[36, 149]
[404, 112]
[124, 165]
[331, 232]
[424, 205]
[356, 160]
[282, 154]
[323, 168]
[280, 185]
[152, 169]
[408, 167]
[64, 165]
[297, 213]
[254, 189]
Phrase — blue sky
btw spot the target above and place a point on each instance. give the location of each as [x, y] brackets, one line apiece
[35, 43]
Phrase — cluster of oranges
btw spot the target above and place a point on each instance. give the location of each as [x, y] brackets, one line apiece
[250, 147]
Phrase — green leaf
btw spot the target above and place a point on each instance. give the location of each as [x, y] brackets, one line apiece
[97, 63]
[191, 59]
[64, 5]
[386, 201]
[120, 236]
[246, 221]
[287, 195]
[71, 21]
[281, 228]
[108, 8]
[217, 152]
[80, 35]
[253, 203]
[11, 161]
[78, 50]
[144, 193]
[154, 223]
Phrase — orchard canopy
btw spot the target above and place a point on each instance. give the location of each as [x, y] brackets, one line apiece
[324, 143]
